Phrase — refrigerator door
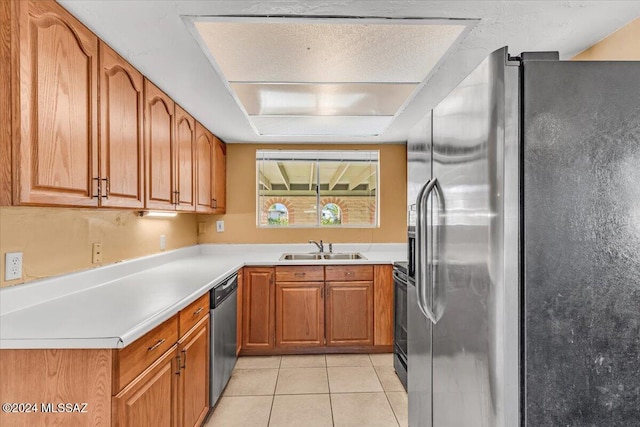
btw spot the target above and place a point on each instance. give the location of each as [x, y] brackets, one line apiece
[475, 291]
[582, 243]
[419, 327]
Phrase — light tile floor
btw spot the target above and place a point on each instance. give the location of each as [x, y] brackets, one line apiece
[338, 390]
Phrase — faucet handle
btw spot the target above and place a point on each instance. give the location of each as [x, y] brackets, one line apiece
[330, 248]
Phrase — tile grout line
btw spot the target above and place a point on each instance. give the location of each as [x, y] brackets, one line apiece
[326, 367]
[273, 396]
[385, 393]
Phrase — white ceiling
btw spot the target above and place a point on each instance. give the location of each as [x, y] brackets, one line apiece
[153, 36]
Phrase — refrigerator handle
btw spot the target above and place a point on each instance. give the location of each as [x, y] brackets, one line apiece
[439, 275]
[422, 265]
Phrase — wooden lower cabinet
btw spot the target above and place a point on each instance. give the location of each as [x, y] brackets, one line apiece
[161, 379]
[193, 381]
[150, 399]
[349, 311]
[316, 309]
[299, 314]
[258, 303]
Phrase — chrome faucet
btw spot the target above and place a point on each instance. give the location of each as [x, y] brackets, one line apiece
[319, 245]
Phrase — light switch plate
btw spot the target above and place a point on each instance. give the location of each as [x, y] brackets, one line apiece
[163, 242]
[219, 226]
[13, 266]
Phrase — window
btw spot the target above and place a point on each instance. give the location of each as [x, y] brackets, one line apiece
[278, 214]
[298, 188]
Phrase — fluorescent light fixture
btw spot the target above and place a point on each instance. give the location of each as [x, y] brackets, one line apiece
[158, 214]
[324, 76]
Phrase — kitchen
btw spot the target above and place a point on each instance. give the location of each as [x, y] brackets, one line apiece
[67, 246]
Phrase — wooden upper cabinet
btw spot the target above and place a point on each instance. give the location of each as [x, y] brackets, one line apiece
[204, 170]
[185, 161]
[121, 132]
[56, 161]
[349, 313]
[258, 308]
[220, 177]
[159, 148]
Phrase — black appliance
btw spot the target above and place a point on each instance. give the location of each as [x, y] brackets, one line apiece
[400, 282]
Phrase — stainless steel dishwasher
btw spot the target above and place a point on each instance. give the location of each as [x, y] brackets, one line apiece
[224, 302]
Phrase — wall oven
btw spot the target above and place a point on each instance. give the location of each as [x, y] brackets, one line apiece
[400, 282]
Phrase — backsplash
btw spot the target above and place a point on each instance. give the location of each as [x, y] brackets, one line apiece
[59, 240]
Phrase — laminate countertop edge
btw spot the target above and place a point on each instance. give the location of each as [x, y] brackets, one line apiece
[115, 313]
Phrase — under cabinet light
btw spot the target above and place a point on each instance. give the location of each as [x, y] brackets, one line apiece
[157, 214]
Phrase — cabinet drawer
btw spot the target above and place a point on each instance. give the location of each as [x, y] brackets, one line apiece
[191, 314]
[300, 274]
[348, 272]
[135, 358]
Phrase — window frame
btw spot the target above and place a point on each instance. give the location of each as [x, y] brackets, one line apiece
[318, 156]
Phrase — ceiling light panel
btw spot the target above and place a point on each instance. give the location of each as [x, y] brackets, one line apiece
[324, 99]
[321, 125]
[328, 52]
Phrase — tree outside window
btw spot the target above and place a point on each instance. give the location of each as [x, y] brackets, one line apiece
[331, 214]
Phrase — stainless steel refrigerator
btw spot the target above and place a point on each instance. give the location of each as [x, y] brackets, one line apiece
[524, 248]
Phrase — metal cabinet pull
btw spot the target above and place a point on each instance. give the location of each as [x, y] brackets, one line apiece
[156, 345]
[348, 273]
[97, 196]
[198, 311]
[300, 274]
[107, 188]
[184, 359]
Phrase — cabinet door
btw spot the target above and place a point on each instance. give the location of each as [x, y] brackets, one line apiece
[258, 312]
[185, 155]
[239, 311]
[383, 305]
[150, 399]
[193, 382]
[121, 133]
[56, 153]
[159, 141]
[349, 311]
[204, 170]
[220, 178]
[299, 314]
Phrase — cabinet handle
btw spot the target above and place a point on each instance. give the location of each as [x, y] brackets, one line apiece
[214, 203]
[300, 274]
[97, 196]
[156, 345]
[184, 359]
[198, 311]
[176, 197]
[178, 364]
[107, 188]
[348, 273]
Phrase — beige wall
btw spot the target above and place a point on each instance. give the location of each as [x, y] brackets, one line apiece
[622, 45]
[240, 219]
[60, 240]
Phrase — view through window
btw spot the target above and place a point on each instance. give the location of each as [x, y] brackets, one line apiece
[304, 188]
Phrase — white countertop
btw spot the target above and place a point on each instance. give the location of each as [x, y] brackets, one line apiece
[112, 306]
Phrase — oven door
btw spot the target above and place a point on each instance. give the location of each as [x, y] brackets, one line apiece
[400, 325]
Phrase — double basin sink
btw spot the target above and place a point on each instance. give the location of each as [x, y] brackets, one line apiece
[322, 256]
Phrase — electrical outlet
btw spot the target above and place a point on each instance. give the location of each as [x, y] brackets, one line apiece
[96, 256]
[219, 226]
[13, 266]
[163, 242]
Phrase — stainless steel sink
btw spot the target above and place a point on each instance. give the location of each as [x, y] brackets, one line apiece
[350, 255]
[319, 257]
[294, 257]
